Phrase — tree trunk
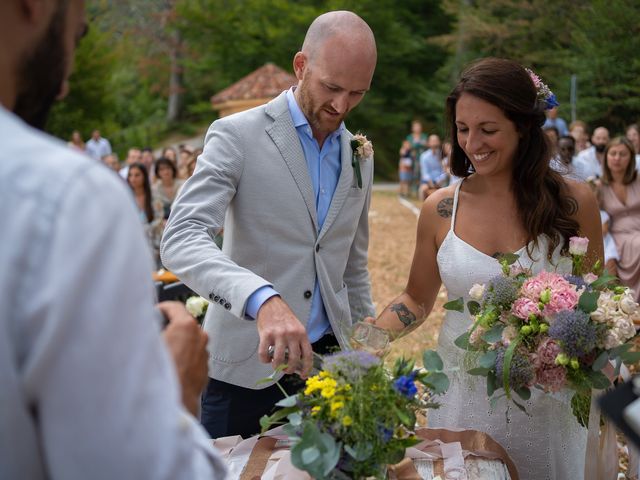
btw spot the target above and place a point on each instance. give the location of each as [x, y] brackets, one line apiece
[175, 80]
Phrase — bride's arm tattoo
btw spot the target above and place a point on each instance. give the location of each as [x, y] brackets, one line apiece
[445, 207]
[404, 314]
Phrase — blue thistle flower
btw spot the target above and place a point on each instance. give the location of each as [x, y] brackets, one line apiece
[521, 373]
[576, 334]
[577, 281]
[501, 291]
[406, 385]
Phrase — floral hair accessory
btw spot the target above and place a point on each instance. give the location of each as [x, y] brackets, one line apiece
[544, 93]
[362, 149]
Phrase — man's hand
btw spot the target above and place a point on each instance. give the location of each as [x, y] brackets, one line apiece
[279, 327]
[187, 343]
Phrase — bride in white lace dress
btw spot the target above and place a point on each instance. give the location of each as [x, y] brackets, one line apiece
[508, 201]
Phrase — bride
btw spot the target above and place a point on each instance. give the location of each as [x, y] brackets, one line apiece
[509, 200]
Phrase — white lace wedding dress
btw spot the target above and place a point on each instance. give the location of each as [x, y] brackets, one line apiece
[550, 444]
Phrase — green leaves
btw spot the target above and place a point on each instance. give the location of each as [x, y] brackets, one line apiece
[455, 305]
[462, 341]
[432, 361]
[494, 333]
[488, 360]
[316, 452]
[588, 301]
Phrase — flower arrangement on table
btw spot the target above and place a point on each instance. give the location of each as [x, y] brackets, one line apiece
[355, 417]
[549, 331]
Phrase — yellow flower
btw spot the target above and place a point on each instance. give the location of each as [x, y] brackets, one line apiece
[336, 405]
[328, 391]
[315, 410]
[324, 374]
[347, 421]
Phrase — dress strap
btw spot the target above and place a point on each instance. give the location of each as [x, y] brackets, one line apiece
[455, 204]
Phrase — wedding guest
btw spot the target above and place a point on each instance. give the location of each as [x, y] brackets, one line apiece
[111, 161]
[579, 131]
[148, 160]
[292, 273]
[405, 168]
[167, 185]
[554, 121]
[553, 136]
[134, 155]
[185, 156]
[97, 146]
[620, 198]
[89, 389]
[418, 140]
[432, 175]
[564, 161]
[170, 153]
[633, 135]
[76, 141]
[508, 200]
[589, 162]
[150, 210]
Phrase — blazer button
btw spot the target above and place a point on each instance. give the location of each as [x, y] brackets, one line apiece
[317, 248]
[216, 298]
[211, 296]
[307, 294]
[227, 306]
[222, 301]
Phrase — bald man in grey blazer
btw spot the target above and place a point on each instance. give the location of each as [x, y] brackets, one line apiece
[292, 274]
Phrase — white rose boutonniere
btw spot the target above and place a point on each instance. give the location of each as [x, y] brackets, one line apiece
[197, 306]
[362, 149]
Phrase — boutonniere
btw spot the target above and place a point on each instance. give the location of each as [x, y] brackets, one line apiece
[361, 150]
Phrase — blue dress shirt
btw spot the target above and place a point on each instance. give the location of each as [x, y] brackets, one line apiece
[431, 167]
[324, 168]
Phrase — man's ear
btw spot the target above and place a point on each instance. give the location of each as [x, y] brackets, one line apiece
[299, 64]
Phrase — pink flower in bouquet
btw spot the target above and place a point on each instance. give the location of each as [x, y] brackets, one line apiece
[547, 352]
[565, 299]
[516, 269]
[523, 307]
[509, 334]
[475, 338]
[533, 287]
[590, 277]
[551, 378]
[578, 245]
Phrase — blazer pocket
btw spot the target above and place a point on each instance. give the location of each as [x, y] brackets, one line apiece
[342, 296]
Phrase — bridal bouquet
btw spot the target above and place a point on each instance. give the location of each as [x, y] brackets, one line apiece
[355, 417]
[548, 331]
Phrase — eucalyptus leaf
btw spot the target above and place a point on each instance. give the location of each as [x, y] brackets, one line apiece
[521, 407]
[509, 258]
[616, 352]
[290, 401]
[492, 383]
[494, 333]
[588, 301]
[506, 367]
[601, 361]
[488, 360]
[616, 371]
[432, 361]
[295, 419]
[598, 380]
[310, 455]
[462, 341]
[523, 392]
[455, 305]
[604, 280]
[630, 357]
[439, 382]
[473, 307]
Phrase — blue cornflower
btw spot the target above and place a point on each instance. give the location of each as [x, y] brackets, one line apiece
[576, 334]
[406, 385]
[577, 281]
[501, 291]
[385, 432]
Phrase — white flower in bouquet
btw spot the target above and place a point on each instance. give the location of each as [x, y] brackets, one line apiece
[600, 315]
[197, 306]
[627, 304]
[477, 291]
[509, 334]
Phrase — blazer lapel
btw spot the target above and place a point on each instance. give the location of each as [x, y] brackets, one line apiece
[344, 182]
[284, 135]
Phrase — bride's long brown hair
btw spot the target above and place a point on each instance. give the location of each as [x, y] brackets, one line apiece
[542, 196]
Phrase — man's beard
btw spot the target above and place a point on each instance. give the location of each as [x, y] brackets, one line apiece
[600, 148]
[42, 73]
[312, 112]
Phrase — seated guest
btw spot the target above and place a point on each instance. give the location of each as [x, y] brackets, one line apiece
[432, 175]
[134, 155]
[170, 153]
[556, 122]
[150, 210]
[167, 185]
[620, 198]
[633, 135]
[589, 162]
[111, 161]
[579, 131]
[405, 168]
[563, 162]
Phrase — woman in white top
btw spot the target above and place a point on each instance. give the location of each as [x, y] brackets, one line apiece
[509, 200]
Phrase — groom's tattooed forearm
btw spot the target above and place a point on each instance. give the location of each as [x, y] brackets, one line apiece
[572, 206]
[404, 314]
[445, 207]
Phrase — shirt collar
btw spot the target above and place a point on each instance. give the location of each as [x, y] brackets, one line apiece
[298, 118]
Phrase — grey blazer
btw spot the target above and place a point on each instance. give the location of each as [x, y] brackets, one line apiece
[252, 178]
